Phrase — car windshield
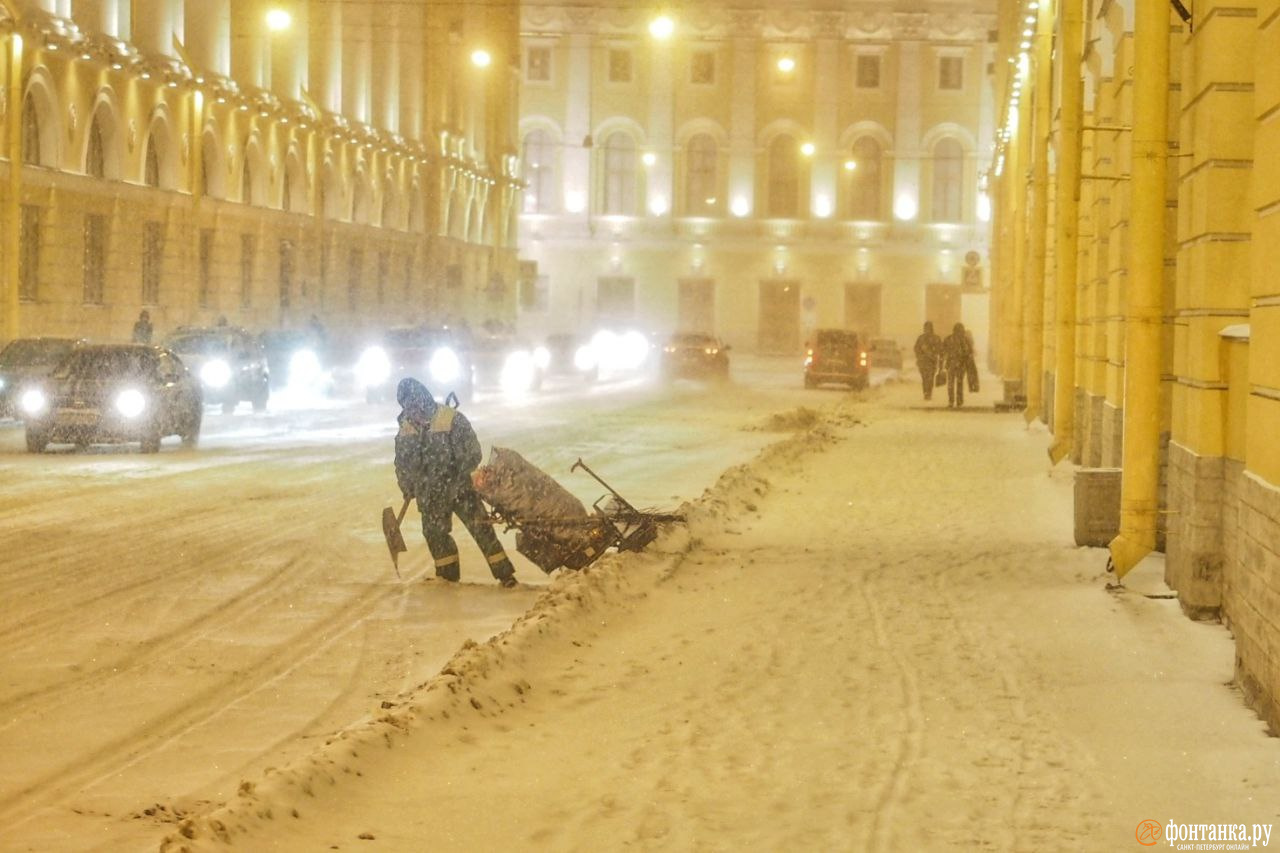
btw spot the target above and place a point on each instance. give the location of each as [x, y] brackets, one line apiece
[692, 341]
[200, 343]
[103, 363]
[35, 353]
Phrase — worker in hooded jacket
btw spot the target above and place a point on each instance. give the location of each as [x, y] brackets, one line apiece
[436, 451]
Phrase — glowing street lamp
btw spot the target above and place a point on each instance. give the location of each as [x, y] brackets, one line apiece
[278, 20]
[480, 58]
[786, 65]
[850, 165]
[807, 149]
[662, 27]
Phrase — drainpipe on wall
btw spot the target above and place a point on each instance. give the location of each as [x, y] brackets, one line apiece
[1067, 222]
[13, 203]
[1139, 494]
[1042, 91]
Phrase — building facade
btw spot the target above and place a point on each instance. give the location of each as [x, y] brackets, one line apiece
[263, 162]
[755, 170]
[1160, 299]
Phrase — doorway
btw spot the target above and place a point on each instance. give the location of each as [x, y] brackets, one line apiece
[696, 305]
[779, 324]
[862, 309]
[942, 306]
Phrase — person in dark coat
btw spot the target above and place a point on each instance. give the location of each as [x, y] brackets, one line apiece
[436, 451]
[142, 330]
[957, 355]
[928, 352]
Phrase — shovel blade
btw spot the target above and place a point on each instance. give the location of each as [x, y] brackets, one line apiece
[391, 531]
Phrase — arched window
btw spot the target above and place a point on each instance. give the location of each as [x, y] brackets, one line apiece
[948, 181]
[619, 175]
[864, 180]
[95, 158]
[539, 172]
[31, 133]
[700, 176]
[784, 177]
[151, 167]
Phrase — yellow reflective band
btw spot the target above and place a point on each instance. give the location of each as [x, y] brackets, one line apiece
[494, 559]
[443, 420]
[446, 561]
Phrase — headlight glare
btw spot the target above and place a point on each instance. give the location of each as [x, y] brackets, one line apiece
[584, 358]
[374, 367]
[304, 368]
[216, 373]
[33, 401]
[131, 402]
[445, 366]
[542, 357]
[517, 373]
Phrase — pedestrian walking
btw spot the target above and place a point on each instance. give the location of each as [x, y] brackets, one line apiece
[957, 355]
[928, 352]
[142, 329]
[436, 451]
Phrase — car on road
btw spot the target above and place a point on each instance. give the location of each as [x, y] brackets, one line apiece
[437, 356]
[113, 393]
[835, 356]
[569, 356]
[230, 364]
[884, 352]
[507, 363]
[694, 355]
[25, 361]
[297, 359]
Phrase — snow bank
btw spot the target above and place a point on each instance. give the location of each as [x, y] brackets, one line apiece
[487, 679]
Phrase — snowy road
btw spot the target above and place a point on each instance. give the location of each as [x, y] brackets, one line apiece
[174, 623]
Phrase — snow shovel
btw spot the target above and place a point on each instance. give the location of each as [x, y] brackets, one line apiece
[391, 530]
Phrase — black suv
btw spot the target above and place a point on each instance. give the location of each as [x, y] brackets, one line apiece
[24, 362]
[229, 362]
[114, 393]
[695, 355]
[836, 356]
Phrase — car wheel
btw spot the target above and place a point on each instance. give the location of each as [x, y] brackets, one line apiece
[37, 440]
[191, 433]
[260, 398]
[151, 440]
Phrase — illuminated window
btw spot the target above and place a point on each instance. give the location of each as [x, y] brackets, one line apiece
[700, 175]
[537, 65]
[619, 175]
[539, 163]
[948, 181]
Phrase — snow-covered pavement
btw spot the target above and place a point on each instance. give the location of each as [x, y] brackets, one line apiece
[876, 636]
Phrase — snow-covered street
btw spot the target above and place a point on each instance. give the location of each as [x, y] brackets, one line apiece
[873, 634]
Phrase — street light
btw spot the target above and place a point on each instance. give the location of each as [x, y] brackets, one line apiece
[662, 27]
[786, 65]
[807, 149]
[480, 58]
[278, 20]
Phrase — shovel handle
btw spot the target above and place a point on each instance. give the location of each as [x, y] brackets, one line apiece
[403, 510]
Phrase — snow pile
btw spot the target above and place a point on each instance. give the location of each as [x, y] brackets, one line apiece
[487, 679]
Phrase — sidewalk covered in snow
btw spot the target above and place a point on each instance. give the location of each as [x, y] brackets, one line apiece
[878, 635]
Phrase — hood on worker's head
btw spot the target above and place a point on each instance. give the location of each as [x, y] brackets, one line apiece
[928, 326]
[413, 395]
[958, 328]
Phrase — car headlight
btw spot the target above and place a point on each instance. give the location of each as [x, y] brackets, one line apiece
[33, 401]
[304, 368]
[1, 383]
[374, 367]
[216, 373]
[634, 349]
[584, 358]
[517, 373]
[131, 402]
[445, 366]
[542, 357]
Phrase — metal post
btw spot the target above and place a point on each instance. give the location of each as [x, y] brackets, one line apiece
[1143, 312]
[1067, 221]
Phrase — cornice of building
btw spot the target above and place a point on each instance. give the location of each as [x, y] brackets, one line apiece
[863, 22]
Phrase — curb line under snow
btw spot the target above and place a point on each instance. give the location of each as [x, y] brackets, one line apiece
[469, 682]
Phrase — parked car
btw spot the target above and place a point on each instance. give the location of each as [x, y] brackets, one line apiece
[694, 355]
[438, 356]
[835, 356]
[111, 393]
[25, 361]
[506, 363]
[569, 355]
[229, 362]
[884, 352]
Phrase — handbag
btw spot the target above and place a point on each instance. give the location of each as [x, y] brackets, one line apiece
[940, 378]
